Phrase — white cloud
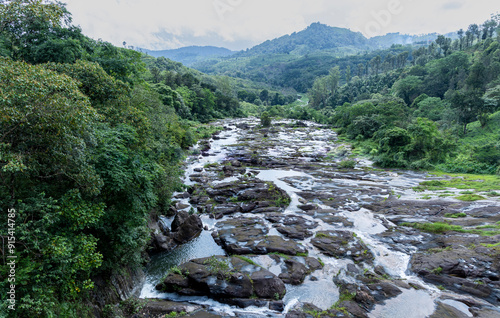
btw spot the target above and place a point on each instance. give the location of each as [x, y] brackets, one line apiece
[237, 24]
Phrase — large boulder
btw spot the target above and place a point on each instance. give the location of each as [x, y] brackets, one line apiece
[184, 228]
[189, 229]
[295, 272]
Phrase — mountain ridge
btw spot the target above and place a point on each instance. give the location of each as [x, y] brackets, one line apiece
[317, 37]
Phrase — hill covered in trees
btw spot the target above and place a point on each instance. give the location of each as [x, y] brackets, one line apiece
[293, 61]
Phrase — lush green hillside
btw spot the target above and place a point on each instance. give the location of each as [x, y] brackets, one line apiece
[90, 150]
[432, 112]
[299, 72]
[316, 37]
[294, 61]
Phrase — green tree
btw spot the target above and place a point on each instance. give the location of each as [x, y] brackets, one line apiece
[265, 119]
[348, 74]
[47, 128]
[47, 124]
[408, 88]
[468, 105]
[444, 43]
[264, 95]
[40, 32]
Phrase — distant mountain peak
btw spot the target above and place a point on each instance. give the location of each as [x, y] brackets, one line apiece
[316, 37]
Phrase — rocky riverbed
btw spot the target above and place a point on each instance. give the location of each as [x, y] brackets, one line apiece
[286, 222]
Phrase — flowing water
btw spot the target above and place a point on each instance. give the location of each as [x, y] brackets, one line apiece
[308, 172]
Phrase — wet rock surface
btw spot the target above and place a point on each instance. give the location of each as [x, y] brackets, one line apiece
[230, 280]
[310, 238]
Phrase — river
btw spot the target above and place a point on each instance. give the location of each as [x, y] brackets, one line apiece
[330, 194]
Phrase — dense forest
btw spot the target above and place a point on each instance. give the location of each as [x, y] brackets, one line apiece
[420, 112]
[91, 142]
[92, 136]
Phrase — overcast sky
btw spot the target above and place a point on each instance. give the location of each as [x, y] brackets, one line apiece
[239, 24]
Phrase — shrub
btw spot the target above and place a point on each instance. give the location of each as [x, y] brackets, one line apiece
[265, 119]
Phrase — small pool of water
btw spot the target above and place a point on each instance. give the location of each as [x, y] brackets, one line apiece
[203, 246]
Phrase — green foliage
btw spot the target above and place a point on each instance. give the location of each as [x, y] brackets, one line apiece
[84, 159]
[46, 125]
[470, 197]
[217, 266]
[27, 24]
[408, 88]
[347, 164]
[455, 215]
[265, 119]
[479, 183]
[437, 227]
[440, 228]
[431, 108]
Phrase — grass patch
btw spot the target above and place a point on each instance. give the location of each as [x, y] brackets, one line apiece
[436, 228]
[322, 235]
[321, 262]
[280, 255]
[466, 192]
[478, 183]
[217, 266]
[491, 245]
[345, 296]
[246, 259]
[455, 215]
[446, 195]
[347, 164]
[470, 197]
[439, 250]
[440, 228]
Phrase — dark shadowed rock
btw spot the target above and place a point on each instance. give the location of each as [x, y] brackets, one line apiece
[180, 218]
[188, 230]
[295, 272]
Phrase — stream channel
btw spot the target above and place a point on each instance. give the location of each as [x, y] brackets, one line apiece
[293, 201]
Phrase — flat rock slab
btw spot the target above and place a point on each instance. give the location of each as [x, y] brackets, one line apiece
[242, 235]
[474, 271]
[292, 226]
[342, 244]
